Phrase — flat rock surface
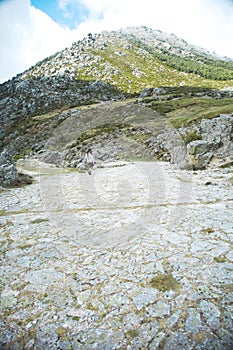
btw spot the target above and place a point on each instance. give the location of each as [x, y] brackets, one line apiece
[136, 256]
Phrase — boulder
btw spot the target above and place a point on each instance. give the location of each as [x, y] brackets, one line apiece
[8, 171]
[200, 153]
[216, 144]
[146, 92]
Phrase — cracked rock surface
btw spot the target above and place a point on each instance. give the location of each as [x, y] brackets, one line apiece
[137, 256]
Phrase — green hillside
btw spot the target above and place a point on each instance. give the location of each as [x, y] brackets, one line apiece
[135, 58]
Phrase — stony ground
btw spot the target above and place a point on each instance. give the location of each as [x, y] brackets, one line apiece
[135, 256]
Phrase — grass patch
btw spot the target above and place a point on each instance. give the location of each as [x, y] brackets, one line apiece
[91, 134]
[164, 282]
[185, 110]
[90, 307]
[220, 259]
[228, 287]
[132, 333]
[38, 221]
[75, 318]
[231, 180]
[189, 137]
[61, 332]
[203, 108]
[208, 230]
[8, 213]
[25, 246]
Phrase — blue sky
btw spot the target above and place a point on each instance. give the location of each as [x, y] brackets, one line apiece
[31, 30]
[71, 15]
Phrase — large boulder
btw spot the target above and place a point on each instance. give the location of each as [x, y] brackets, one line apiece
[200, 153]
[216, 143]
[9, 176]
[169, 146]
[8, 171]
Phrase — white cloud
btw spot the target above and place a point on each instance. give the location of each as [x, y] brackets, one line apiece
[29, 35]
[206, 23]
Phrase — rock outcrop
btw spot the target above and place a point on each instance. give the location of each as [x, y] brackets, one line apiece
[8, 171]
[9, 175]
[216, 143]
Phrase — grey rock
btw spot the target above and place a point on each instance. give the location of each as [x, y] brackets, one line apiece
[211, 313]
[131, 321]
[66, 292]
[146, 92]
[174, 318]
[155, 343]
[177, 341]
[47, 336]
[99, 338]
[147, 332]
[216, 143]
[8, 299]
[160, 309]
[212, 344]
[116, 300]
[147, 296]
[43, 277]
[193, 322]
[8, 171]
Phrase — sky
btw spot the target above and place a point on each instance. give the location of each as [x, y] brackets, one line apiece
[31, 30]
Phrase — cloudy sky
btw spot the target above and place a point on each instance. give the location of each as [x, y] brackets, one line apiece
[33, 30]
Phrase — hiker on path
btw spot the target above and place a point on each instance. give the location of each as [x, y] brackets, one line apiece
[89, 161]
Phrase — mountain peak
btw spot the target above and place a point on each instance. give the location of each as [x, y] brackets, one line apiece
[133, 58]
[134, 62]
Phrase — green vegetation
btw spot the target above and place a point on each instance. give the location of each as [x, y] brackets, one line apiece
[208, 230]
[132, 333]
[92, 133]
[201, 65]
[75, 318]
[164, 282]
[8, 213]
[189, 85]
[38, 221]
[183, 111]
[192, 136]
[220, 259]
[25, 246]
[231, 180]
[204, 65]
[132, 71]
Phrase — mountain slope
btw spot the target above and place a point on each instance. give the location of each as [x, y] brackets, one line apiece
[149, 67]
[136, 57]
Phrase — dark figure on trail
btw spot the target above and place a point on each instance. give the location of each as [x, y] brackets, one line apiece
[89, 161]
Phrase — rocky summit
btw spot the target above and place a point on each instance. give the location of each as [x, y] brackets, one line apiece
[138, 255]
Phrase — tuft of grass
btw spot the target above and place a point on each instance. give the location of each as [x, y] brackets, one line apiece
[189, 137]
[75, 318]
[132, 333]
[220, 259]
[228, 287]
[25, 246]
[164, 282]
[38, 221]
[61, 332]
[90, 307]
[208, 230]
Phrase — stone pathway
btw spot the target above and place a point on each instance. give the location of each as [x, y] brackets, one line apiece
[136, 256]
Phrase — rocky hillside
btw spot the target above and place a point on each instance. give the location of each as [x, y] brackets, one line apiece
[119, 91]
